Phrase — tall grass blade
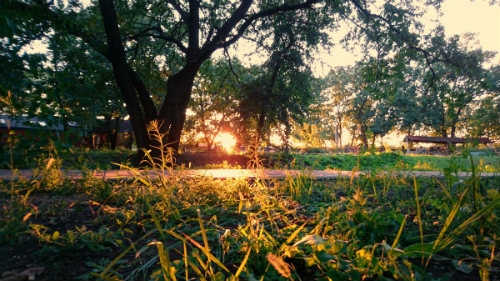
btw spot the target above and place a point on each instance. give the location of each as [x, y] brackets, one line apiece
[475, 184]
[155, 219]
[292, 236]
[209, 255]
[206, 246]
[419, 216]
[446, 241]
[398, 236]
[203, 232]
[243, 263]
[440, 244]
[186, 262]
[167, 271]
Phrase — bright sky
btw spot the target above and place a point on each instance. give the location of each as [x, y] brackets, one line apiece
[459, 17]
[478, 16]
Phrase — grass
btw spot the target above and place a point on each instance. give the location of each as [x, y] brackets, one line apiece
[295, 229]
[375, 227]
[235, 230]
[105, 159]
[396, 161]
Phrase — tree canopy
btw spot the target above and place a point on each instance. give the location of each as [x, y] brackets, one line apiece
[153, 50]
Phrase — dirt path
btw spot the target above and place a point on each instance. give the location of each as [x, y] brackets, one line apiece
[8, 175]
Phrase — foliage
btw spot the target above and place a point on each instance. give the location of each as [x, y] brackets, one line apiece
[155, 53]
[484, 120]
[165, 226]
[214, 101]
[460, 83]
[448, 91]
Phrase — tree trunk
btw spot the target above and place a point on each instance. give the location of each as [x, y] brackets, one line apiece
[173, 111]
[122, 73]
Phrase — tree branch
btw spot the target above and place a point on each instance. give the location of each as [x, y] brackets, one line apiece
[177, 7]
[269, 12]
[157, 32]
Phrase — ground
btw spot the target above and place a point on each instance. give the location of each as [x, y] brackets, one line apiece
[203, 159]
[38, 260]
[28, 255]
[28, 258]
[39, 257]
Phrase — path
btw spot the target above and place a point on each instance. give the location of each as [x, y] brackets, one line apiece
[8, 175]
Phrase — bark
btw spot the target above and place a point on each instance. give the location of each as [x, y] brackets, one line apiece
[131, 86]
[172, 114]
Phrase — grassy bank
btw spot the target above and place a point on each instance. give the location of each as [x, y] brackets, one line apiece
[107, 159]
[397, 161]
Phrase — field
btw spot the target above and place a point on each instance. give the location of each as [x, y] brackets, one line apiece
[382, 226]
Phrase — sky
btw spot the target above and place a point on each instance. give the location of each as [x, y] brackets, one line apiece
[459, 17]
[463, 15]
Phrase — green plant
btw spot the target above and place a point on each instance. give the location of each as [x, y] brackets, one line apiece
[254, 156]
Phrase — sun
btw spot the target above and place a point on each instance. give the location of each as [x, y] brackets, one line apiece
[227, 141]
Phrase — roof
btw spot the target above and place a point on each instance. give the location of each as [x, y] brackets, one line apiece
[25, 122]
[446, 140]
[126, 126]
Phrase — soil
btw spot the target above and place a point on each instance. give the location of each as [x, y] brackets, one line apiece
[205, 159]
[28, 258]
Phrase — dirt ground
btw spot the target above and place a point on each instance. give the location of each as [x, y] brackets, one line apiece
[28, 258]
[203, 159]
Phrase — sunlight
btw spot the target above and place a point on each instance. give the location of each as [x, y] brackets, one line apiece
[227, 141]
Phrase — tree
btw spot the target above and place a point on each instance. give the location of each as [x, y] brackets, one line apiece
[20, 71]
[187, 33]
[358, 100]
[451, 85]
[215, 99]
[220, 30]
[485, 119]
[338, 86]
[79, 92]
[282, 91]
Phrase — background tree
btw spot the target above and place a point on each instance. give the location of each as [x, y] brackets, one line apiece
[281, 94]
[322, 124]
[80, 88]
[485, 119]
[338, 87]
[20, 71]
[215, 99]
[451, 84]
[364, 92]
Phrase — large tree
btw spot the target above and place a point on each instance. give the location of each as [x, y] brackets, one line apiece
[283, 90]
[181, 35]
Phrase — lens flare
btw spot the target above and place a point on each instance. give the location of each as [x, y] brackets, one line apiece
[227, 141]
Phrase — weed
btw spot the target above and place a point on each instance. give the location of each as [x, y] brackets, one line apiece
[255, 156]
